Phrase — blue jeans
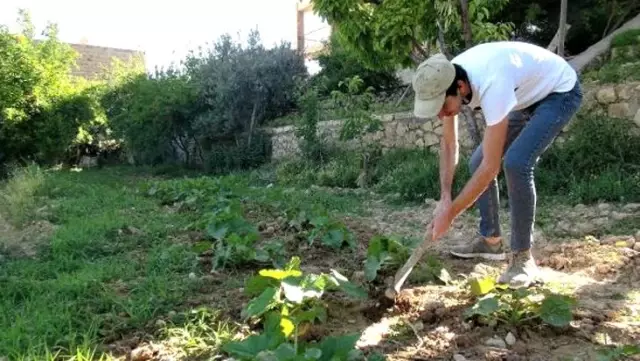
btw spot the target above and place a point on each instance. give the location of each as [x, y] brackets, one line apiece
[531, 132]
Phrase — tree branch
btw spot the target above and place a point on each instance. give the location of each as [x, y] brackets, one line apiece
[418, 48]
[466, 24]
[586, 57]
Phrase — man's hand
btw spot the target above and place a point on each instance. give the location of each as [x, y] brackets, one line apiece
[442, 221]
[444, 202]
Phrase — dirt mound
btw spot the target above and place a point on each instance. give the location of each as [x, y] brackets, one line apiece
[24, 241]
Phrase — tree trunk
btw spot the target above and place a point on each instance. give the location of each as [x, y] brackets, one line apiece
[472, 126]
[441, 43]
[586, 57]
[553, 45]
[562, 26]
[254, 114]
[466, 24]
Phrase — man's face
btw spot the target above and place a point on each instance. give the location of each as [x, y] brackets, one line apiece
[451, 107]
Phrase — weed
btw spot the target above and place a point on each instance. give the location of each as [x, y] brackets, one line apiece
[18, 193]
[287, 302]
[618, 353]
[500, 304]
[629, 37]
[199, 332]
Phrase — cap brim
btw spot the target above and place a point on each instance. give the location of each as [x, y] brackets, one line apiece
[428, 108]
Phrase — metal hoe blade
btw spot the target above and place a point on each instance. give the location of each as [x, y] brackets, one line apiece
[403, 273]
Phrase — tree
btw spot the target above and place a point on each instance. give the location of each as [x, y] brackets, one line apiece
[338, 63]
[41, 105]
[398, 32]
[562, 26]
[591, 20]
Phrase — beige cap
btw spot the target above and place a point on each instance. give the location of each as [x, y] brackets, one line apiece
[430, 83]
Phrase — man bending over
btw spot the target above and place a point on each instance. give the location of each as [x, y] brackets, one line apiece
[527, 95]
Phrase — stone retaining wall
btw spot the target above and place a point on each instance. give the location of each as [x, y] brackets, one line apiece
[400, 130]
[621, 101]
[403, 130]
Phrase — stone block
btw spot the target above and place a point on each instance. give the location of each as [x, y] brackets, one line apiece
[403, 115]
[606, 95]
[386, 118]
[428, 126]
[623, 91]
[401, 129]
[636, 118]
[619, 110]
[431, 139]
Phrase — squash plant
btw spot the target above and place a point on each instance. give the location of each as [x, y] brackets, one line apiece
[287, 302]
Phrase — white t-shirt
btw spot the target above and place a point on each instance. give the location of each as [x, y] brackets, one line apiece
[511, 75]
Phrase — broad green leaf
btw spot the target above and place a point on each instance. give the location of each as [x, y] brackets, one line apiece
[267, 355]
[285, 352]
[371, 267]
[348, 287]
[484, 307]
[257, 284]
[273, 328]
[482, 286]
[216, 232]
[334, 238]
[319, 221]
[338, 347]
[262, 255]
[248, 348]
[279, 274]
[261, 304]
[556, 310]
[320, 282]
[317, 312]
[375, 247]
[312, 353]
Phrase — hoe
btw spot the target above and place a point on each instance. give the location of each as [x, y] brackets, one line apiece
[402, 274]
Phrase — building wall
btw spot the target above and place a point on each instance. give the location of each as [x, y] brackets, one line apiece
[92, 59]
[312, 30]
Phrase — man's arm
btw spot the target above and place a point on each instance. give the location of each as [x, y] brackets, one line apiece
[492, 150]
[449, 149]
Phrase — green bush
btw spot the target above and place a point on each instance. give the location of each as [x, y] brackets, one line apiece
[338, 64]
[414, 174]
[208, 113]
[341, 171]
[296, 171]
[41, 105]
[599, 161]
[153, 115]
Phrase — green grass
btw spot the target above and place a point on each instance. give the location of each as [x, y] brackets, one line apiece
[622, 65]
[626, 38]
[63, 297]
[18, 193]
[113, 266]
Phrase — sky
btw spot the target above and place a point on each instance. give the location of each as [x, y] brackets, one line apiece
[164, 30]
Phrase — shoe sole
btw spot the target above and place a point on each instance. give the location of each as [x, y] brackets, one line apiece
[487, 256]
